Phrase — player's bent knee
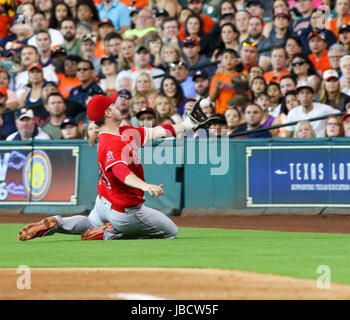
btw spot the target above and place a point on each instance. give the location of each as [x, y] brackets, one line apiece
[172, 234]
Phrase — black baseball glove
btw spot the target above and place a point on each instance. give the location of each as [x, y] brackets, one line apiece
[196, 118]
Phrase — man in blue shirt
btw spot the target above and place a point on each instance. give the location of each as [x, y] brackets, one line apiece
[117, 12]
[86, 75]
[180, 71]
[304, 7]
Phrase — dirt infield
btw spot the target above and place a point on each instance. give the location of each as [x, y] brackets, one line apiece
[156, 284]
[189, 284]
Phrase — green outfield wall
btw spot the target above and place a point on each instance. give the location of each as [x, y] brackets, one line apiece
[236, 176]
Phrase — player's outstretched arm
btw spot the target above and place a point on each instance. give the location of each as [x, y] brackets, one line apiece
[132, 180]
[168, 130]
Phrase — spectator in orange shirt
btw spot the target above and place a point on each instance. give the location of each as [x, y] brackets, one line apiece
[221, 86]
[135, 3]
[68, 79]
[105, 27]
[342, 8]
[197, 8]
[249, 56]
[319, 55]
[279, 61]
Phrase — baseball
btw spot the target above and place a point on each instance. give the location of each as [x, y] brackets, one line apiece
[205, 103]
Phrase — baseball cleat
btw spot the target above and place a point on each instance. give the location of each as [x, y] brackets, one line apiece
[38, 229]
[96, 233]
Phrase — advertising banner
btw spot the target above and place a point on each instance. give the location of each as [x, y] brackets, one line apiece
[304, 176]
[45, 176]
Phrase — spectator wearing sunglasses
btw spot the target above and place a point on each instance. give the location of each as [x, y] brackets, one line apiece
[249, 56]
[147, 117]
[334, 127]
[255, 35]
[303, 69]
[86, 75]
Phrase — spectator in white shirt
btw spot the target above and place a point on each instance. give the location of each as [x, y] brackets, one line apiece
[30, 55]
[39, 22]
[27, 129]
[308, 109]
[345, 70]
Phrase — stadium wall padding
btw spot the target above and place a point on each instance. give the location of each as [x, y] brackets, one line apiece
[200, 176]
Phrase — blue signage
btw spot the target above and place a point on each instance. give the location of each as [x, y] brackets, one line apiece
[304, 176]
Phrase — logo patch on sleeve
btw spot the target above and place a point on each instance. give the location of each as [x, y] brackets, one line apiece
[110, 156]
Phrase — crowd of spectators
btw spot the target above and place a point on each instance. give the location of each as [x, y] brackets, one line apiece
[261, 63]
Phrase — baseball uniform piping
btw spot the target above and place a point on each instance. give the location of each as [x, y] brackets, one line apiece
[112, 164]
[148, 225]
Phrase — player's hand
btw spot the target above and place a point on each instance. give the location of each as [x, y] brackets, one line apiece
[155, 190]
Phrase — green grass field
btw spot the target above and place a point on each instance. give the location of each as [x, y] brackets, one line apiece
[283, 253]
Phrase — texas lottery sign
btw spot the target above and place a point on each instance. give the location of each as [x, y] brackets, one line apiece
[306, 175]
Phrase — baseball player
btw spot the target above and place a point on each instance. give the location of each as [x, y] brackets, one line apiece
[119, 212]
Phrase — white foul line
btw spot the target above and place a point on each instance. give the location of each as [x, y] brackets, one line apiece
[134, 296]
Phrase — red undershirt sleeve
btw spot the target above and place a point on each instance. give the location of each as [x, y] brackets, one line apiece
[121, 171]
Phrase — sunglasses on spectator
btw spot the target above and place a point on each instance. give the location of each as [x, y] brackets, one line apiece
[146, 118]
[298, 63]
[189, 43]
[248, 44]
[124, 97]
[332, 79]
[83, 69]
[176, 63]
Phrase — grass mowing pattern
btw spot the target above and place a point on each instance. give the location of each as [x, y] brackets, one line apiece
[283, 253]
